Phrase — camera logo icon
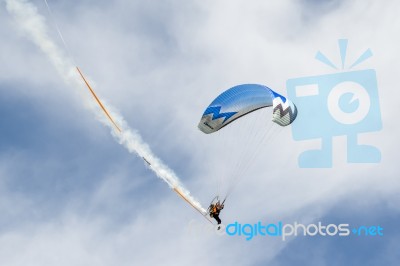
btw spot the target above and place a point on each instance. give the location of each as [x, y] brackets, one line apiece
[339, 104]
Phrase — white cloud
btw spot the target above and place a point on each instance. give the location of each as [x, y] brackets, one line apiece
[160, 65]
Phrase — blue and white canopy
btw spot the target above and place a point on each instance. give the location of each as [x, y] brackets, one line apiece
[243, 99]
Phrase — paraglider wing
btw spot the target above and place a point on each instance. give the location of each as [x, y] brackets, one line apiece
[241, 100]
[284, 111]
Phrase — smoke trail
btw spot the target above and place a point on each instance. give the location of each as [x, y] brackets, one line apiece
[34, 26]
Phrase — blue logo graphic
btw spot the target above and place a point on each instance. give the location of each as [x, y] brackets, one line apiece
[216, 112]
[340, 104]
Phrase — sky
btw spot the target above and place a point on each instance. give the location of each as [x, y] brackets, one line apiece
[71, 195]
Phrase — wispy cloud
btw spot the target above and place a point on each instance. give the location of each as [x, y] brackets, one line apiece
[161, 64]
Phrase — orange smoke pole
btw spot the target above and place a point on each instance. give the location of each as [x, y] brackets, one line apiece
[98, 101]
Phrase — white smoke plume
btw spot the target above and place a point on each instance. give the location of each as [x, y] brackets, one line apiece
[34, 27]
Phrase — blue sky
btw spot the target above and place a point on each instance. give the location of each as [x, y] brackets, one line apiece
[71, 195]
